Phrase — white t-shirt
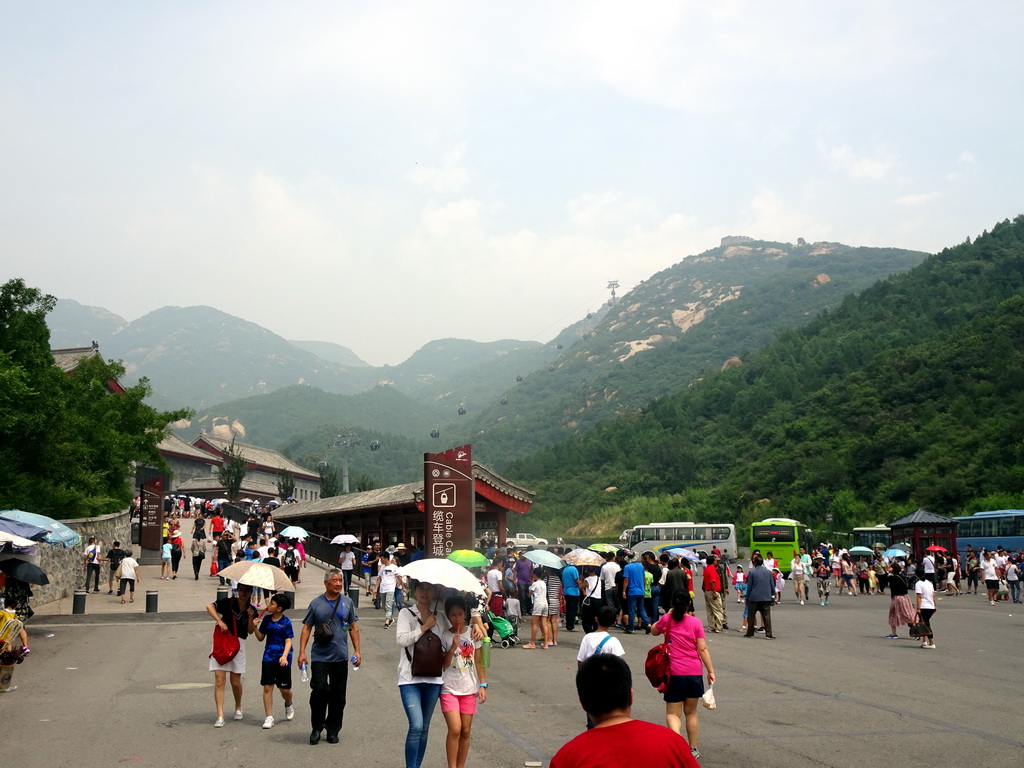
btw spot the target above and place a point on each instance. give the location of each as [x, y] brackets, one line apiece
[348, 560]
[590, 641]
[494, 580]
[128, 566]
[927, 592]
[608, 574]
[594, 587]
[929, 564]
[512, 608]
[388, 578]
[796, 567]
[988, 570]
[461, 678]
[539, 592]
[93, 554]
[1012, 572]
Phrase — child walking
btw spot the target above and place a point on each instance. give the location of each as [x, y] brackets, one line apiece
[464, 681]
[277, 657]
[739, 583]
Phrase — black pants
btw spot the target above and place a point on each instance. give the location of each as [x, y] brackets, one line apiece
[92, 573]
[175, 560]
[588, 613]
[197, 564]
[572, 607]
[926, 617]
[329, 681]
[765, 609]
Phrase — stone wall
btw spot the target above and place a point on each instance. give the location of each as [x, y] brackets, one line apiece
[64, 567]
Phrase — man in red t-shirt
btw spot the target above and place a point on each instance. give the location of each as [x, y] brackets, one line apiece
[712, 587]
[605, 687]
[216, 525]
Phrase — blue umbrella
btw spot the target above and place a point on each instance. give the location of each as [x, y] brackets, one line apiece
[894, 553]
[25, 530]
[294, 532]
[58, 532]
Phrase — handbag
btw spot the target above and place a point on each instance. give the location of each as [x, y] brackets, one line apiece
[225, 644]
[919, 629]
[657, 665]
[213, 567]
[427, 657]
[324, 632]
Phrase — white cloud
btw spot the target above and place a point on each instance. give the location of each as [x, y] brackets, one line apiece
[917, 199]
[449, 176]
[967, 157]
[874, 167]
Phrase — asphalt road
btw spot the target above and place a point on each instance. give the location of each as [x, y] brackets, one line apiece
[113, 688]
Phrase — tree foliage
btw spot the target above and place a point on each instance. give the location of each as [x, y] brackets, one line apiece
[285, 484]
[907, 395]
[329, 485]
[232, 471]
[68, 445]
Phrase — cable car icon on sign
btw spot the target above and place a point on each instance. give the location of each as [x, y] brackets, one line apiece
[444, 495]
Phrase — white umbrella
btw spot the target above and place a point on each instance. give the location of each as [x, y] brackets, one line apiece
[294, 532]
[583, 557]
[693, 557]
[258, 575]
[543, 557]
[344, 538]
[444, 572]
[18, 541]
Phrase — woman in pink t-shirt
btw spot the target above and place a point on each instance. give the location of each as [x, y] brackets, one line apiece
[688, 658]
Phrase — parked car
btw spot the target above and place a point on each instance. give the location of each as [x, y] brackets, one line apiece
[525, 540]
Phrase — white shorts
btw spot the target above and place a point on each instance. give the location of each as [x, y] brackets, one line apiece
[540, 608]
[236, 665]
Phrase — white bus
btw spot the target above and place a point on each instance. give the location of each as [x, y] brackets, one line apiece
[698, 537]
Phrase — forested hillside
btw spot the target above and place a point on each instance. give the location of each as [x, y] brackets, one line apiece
[910, 394]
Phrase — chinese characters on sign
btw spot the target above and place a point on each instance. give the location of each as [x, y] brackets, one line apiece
[449, 494]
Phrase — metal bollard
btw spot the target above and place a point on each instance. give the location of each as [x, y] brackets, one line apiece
[290, 594]
[223, 592]
[152, 598]
[353, 594]
[78, 604]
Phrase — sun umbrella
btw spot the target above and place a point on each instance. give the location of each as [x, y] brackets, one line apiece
[258, 575]
[23, 570]
[246, 500]
[25, 530]
[686, 554]
[273, 503]
[604, 547]
[344, 538]
[16, 541]
[894, 553]
[860, 551]
[583, 557]
[469, 558]
[58, 532]
[294, 532]
[444, 572]
[543, 557]
[934, 548]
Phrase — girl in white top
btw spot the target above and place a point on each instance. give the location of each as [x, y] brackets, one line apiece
[465, 681]
[925, 592]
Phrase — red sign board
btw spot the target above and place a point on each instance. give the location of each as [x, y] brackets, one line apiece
[449, 497]
[151, 514]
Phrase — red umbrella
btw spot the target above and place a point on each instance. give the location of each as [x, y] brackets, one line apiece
[934, 548]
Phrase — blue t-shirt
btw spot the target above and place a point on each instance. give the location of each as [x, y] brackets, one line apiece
[276, 633]
[569, 575]
[165, 551]
[340, 614]
[635, 573]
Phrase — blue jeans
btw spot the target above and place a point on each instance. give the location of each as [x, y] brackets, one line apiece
[635, 605]
[221, 565]
[419, 700]
[1014, 590]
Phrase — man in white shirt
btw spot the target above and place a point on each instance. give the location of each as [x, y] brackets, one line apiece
[388, 581]
[608, 572]
[929, 567]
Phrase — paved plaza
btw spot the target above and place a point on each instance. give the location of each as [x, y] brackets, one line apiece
[117, 686]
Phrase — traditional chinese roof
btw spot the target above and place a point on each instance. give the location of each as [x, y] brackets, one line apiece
[68, 359]
[922, 517]
[172, 445]
[263, 458]
[213, 486]
[488, 484]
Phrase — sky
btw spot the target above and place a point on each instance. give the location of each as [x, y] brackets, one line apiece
[381, 175]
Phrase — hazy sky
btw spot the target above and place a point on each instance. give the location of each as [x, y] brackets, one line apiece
[383, 174]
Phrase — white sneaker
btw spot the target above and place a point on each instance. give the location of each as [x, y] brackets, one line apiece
[991, 602]
[268, 723]
[218, 723]
[801, 602]
[238, 714]
[289, 713]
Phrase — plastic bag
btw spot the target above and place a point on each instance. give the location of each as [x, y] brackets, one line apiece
[708, 699]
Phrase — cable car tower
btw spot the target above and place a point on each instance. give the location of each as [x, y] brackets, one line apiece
[612, 285]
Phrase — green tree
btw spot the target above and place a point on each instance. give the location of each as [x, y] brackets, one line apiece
[328, 480]
[232, 472]
[285, 484]
[363, 482]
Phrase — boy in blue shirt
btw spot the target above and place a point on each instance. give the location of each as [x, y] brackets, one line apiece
[277, 657]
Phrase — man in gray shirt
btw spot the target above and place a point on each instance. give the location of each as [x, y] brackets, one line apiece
[760, 596]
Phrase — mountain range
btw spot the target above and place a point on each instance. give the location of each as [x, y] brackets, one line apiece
[506, 397]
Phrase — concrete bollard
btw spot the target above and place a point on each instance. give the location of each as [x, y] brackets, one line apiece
[353, 594]
[152, 599]
[223, 592]
[78, 602]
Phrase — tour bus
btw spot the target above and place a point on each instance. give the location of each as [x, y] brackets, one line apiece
[870, 537]
[782, 537]
[991, 530]
[698, 537]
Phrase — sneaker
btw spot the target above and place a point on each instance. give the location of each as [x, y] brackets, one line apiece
[991, 602]
[218, 723]
[289, 713]
[268, 723]
[822, 603]
[891, 637]
[801, 602]
[759, 629]
[695, 752]
[930, 647]
[238, 714]
[110, 591]
[627, 631]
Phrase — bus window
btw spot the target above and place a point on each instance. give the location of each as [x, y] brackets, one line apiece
[698, 533]
[720, 533]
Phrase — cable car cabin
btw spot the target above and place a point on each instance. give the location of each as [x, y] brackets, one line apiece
[435, 433]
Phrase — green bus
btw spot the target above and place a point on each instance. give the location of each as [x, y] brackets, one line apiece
[782, 537]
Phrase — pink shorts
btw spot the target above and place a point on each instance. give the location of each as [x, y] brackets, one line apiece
[465, 705]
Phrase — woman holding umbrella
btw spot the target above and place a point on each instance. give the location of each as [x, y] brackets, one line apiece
[237, 616]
